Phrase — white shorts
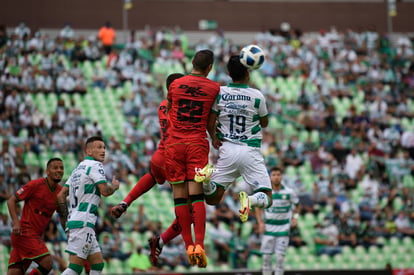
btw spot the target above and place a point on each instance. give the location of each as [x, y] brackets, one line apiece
[82, 242]
[240, 160]
[271, 244]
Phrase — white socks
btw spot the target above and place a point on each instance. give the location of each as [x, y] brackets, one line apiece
[259, 199]
[209, 188]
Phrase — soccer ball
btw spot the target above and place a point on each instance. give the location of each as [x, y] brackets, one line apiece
[252, 56]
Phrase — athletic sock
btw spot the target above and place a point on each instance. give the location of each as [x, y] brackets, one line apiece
[172, 231]
[199, 218]
[209, 188]
[183, 217]
[259, 199]
[143, 185]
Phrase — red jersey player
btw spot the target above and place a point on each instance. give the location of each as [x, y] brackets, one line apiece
[156, 174]
[39, 198]
[186, 149]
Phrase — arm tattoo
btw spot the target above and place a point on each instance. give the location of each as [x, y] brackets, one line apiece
[110, 189]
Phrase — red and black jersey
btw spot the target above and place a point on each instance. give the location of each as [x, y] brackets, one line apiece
[191, 99]
[39, 206]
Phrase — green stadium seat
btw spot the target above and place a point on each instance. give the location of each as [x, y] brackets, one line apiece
[291, 171]
[408, 181]
[398, 204]
[31, 160]
[254, 262]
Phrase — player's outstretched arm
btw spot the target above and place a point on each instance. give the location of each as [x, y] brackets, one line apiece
[12, 205]
[62, 207]
[108, 189]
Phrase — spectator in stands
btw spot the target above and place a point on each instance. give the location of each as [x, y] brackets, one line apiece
[172, 254]
[367, 236]
[296, 239]
[107, 36]
[65, 83]
[22, 30]
[404, 224]
[347, 231]
[3, 37]
[326, 238]
[255, 240]
[139, 261]
[67, 32]
[4, 189]
[143, 222]
[240, 250]
[5, 230]
[221, 238]
[224, 214]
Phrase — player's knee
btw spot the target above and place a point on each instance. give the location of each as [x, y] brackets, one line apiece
[280, 259]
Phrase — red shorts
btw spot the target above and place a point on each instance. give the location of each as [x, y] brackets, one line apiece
[183, 159]
[157, 166]
[26, 248]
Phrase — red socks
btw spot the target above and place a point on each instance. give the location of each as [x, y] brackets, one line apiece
[173, 231]
[142, 186]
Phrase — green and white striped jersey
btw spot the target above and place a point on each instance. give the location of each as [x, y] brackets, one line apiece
[84, 195]
[239, 108]
[277, 217]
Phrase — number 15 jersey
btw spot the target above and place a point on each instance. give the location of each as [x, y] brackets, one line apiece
[191, 99]
[239, 109]
[84, 195]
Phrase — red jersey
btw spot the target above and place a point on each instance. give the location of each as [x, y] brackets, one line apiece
[162, 117]
[191, 99]
[39, 206]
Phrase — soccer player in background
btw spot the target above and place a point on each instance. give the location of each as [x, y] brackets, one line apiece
[27, 242]
[235, 124]
[85, 186]
[276, 223]
[186, 149]
[155, 175]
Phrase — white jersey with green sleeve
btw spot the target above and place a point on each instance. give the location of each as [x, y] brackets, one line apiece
[239, 109]
[278, 216]
[84, 195]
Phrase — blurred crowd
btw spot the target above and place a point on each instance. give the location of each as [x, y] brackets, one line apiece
[342, 125]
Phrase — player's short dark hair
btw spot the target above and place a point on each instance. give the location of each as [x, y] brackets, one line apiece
[276, 168]
[52, 160]
[92, 139]
[171, 78]
[236, 69]
[202, 59]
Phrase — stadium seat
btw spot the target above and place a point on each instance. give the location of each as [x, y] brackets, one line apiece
[31, 159]
[254, 262]
[408, 181]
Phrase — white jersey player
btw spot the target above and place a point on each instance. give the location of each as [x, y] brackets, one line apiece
[276, 223]
[235, 124]
[85, 186]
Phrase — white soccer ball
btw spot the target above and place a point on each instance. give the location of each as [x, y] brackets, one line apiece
[252, 56]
